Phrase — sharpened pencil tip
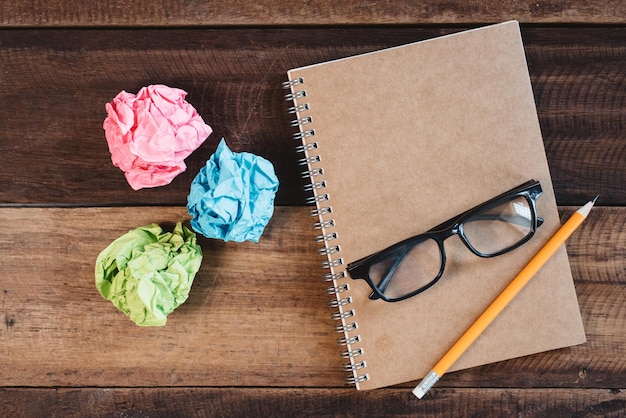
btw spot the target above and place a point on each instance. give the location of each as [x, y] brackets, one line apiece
[595, 199]
[587, 207]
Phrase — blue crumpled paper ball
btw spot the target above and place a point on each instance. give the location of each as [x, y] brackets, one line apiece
[232, 197]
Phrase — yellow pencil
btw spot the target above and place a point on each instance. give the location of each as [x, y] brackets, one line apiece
[503, 299]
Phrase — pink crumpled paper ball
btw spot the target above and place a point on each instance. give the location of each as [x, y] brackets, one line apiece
[151, 133]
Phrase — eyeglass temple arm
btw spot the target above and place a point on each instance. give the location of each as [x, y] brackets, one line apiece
[382, 285]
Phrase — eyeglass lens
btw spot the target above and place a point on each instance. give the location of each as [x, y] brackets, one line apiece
[499, 228]
[489, 232]
[398, 275]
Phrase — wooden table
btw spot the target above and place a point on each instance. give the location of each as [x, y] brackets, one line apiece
[255, 337]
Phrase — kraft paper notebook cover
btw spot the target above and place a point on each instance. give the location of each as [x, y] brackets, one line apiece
[399, 140]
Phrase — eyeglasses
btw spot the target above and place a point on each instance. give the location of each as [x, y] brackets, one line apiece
[490, 229]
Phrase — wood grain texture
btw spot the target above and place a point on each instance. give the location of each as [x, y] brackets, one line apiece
[257, 313]
[55, 84]
[316, 12]
[293, 402]
[255, 337]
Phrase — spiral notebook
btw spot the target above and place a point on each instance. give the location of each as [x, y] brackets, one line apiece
[399, 140]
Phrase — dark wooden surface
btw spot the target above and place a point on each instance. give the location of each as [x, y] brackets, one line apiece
[255, 337]
[114, 13]
[234, 77]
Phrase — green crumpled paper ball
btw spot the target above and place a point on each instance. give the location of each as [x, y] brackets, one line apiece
[147, 273]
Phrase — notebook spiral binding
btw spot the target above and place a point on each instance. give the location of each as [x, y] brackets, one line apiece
[347, 325]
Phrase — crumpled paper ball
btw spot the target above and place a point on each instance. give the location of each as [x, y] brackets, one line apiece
[147, 273]
[151, 133]
[232, 197]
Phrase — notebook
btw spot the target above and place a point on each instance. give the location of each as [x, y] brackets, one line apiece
[396, 142]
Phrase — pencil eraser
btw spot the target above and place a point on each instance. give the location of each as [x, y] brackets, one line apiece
[425, 385]
[419, 392]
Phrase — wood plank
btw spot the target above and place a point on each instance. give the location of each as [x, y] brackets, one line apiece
[265, 325]
[229, 402]
[257, 314]
[55, 84]
[316, 12]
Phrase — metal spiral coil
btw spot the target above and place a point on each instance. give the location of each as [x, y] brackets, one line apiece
[309, 160]
[354, 366]
[332, 263]
[349, 341]
[353, 380]
[329, 250]
[324, 224]
[300, 108]
[314, 186]
[302, 121]
[299, 136]
[322, 210]
[335, 303]
[295, 95]
[307, 147]
[317, 198]
[331, 277]
[351, 354]
[290, 83]
[334, 290]
[339, 315]
[326, 237]
[346, 327]
[312, 173]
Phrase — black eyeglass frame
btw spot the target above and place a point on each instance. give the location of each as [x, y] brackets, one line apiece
[359, 270]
